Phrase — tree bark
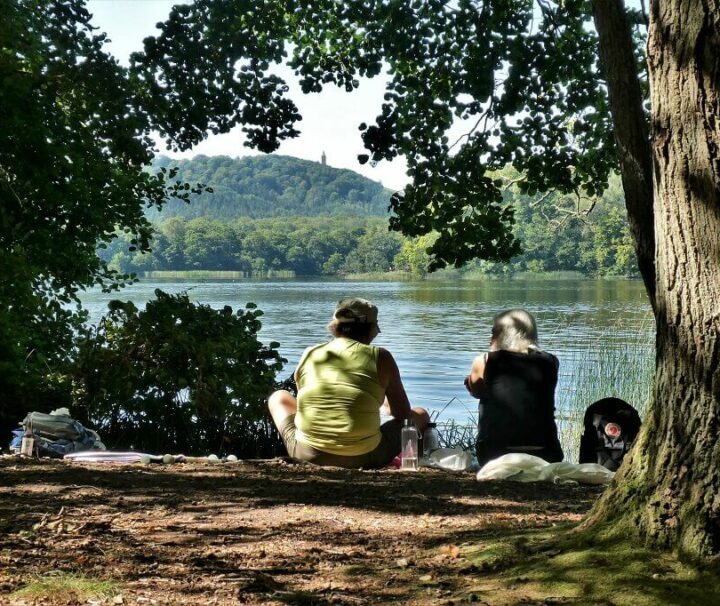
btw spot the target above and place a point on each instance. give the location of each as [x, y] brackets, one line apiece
[630, 127]
[670, 487]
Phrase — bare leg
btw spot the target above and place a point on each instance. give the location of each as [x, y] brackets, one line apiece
[281, 404]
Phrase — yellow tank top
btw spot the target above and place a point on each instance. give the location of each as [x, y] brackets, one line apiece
[339, 398]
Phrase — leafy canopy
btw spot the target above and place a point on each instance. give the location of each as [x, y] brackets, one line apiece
[521, 77]
[74, 141]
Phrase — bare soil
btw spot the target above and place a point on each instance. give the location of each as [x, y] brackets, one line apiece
[260, 532]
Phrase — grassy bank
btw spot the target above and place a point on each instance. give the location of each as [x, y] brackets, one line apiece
[389, 276]
[459, 274]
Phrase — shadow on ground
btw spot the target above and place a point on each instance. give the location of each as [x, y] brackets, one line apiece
[260, 532]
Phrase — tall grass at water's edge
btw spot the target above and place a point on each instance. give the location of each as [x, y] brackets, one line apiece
[624, 371]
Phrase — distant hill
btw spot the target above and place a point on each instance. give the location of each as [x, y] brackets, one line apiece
[273, 186]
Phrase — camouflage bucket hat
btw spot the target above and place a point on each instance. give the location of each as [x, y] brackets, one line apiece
[356, 310]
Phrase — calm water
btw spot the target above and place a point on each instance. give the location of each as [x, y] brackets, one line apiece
[434, 329]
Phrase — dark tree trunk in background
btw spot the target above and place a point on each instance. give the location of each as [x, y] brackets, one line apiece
[631, 131]
[670, 486]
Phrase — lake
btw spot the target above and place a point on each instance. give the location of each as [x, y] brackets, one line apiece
[602, 330]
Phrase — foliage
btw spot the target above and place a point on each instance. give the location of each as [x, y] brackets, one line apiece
[177, 376]
[554, 238]
[521, 80]
[414, 256]
[564, 233]
[272, 186]
[73, 146]
[374, 252]
[303, 245]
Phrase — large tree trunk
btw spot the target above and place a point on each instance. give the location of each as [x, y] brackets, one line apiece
[630, 127]
[670, 487]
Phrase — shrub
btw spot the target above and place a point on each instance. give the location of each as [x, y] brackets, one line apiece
[178, 377]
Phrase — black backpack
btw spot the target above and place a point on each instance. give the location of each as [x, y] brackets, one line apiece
[611, 426]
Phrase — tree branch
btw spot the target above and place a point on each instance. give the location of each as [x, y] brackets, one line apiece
[617, 59]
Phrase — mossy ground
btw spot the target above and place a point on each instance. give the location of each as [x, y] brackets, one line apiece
[560, 566]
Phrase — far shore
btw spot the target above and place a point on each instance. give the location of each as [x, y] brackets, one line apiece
[390, 276]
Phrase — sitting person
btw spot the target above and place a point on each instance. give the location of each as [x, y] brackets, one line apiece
[515, 382]
[335, 420]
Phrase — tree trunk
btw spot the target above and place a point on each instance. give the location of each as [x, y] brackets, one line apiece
[670, 487]
[631, 132]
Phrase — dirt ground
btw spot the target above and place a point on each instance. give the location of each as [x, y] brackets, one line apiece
[260, 532]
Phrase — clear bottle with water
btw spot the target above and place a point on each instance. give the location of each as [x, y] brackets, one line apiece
[27, 446]
[409, 446]
[431, 440]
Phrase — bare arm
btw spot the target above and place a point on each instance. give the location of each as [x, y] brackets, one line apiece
[475, 381]
[396, 399]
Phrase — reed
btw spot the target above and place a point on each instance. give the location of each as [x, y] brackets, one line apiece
[625, 369]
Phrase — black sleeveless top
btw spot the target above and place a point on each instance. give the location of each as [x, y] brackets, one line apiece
[517, 408]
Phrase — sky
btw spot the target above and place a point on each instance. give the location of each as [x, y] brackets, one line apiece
[330, 119]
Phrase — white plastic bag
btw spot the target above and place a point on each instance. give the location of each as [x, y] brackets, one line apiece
[452, 459]
[572, 473]
[516, 466]
[527, 468]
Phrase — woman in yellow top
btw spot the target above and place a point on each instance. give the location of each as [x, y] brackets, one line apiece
[335, 420]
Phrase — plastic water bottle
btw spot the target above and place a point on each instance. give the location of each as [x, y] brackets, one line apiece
[409, 446]
[431, 440]
[27, 446]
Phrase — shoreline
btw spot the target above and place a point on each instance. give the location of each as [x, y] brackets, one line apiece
[392, 276]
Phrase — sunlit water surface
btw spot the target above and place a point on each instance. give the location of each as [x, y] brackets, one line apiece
[434, 329]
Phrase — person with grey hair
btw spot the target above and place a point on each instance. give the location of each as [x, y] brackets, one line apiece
[342, 384]
[515, 382]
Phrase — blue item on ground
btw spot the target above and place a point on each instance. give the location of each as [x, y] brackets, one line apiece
[56, 435]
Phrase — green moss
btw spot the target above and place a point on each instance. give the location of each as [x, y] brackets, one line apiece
[602, 569]
[68, 585]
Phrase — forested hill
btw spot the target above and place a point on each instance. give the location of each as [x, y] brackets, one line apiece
[273, 186]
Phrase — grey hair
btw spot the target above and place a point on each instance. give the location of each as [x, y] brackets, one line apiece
[515, 330]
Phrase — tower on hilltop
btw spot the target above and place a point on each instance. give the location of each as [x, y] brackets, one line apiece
[323, 159]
